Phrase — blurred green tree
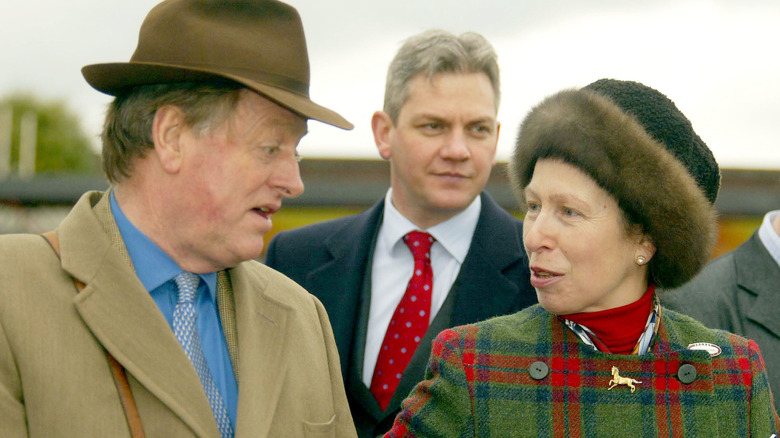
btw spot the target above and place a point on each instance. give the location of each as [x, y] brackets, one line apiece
[62, 144]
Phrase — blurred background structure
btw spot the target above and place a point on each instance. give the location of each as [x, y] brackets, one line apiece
[338, 187]
[712, 57]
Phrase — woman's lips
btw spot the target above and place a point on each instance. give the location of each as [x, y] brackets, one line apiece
[541, 278]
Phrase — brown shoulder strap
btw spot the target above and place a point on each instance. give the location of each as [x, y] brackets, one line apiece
[120, 376]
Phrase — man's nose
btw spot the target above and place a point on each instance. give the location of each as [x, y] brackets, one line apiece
[456, 146]
[287, 177]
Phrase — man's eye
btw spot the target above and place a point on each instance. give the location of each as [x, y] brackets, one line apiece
[271, 151]
[433, 126]
[532, 206]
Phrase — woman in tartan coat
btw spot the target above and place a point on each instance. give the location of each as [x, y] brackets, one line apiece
[618, 192]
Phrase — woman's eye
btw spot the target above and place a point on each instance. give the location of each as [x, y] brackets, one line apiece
[532, 206]
[569, 212]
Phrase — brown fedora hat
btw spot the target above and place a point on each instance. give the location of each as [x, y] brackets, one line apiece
[257, 43]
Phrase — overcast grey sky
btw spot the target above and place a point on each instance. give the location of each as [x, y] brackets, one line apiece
[716, 59]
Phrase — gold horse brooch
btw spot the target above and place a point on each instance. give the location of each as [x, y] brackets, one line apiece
[617, 380]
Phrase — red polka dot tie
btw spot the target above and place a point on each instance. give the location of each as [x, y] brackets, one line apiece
[409, 322]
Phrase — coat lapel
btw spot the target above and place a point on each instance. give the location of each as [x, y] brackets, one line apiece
[125, 319]
[261, 319]
[483, 289]
[759, 274]
[420, 358]
[339, 282]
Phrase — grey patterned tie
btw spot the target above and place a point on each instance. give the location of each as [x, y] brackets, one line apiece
[186, 332]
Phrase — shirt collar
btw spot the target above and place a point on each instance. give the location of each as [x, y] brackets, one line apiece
[769, 237]
[152, 265]
[454, 234]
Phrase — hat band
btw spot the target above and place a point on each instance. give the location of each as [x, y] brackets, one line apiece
[239, 74]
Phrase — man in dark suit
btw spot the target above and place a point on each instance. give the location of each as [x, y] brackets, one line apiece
[740, 292]
[439, 131]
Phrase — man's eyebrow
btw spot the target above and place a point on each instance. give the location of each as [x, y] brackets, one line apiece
[483, 120]
[428, 116]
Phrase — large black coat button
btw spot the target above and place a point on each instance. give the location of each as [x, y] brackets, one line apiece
[538, 370]
[687, 373]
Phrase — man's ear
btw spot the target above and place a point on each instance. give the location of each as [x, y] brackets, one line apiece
[382, 124]
[167, 128]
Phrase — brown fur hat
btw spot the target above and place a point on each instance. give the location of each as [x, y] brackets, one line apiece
[665, 185]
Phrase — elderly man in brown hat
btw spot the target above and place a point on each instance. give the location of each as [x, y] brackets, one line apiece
[143, 312]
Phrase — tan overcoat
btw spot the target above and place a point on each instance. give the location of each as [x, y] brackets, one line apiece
[54, 377]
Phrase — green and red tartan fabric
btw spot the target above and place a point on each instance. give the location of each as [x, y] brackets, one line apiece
[485, 380]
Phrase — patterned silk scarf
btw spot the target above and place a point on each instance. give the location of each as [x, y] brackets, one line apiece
[642, 345]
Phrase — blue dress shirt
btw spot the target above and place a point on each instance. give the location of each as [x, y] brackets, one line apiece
[156, 271]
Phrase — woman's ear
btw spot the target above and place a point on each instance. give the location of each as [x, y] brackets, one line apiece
[646, 248]
[167, 128]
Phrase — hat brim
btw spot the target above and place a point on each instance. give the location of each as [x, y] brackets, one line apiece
[112, 78]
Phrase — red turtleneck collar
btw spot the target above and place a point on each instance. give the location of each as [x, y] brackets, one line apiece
[618, 329]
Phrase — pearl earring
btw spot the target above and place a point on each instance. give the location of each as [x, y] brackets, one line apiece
[641, 260]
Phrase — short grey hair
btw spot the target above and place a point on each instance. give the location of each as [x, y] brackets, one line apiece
[437, 51]
[127, 131]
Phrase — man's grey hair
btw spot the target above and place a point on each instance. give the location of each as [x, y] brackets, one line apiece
[127, 131]
[437, 51]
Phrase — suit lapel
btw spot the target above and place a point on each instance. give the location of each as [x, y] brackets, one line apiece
[261, 319]
[483, 289]
[419, 361]
[340, 281]
[759, 274]
[125, 319]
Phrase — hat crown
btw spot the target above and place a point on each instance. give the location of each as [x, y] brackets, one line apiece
[661, 118]
[257, 43]
[634, 143]
[202, 35]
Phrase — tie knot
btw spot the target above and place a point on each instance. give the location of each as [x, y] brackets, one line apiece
[419, 243]
[187, 283]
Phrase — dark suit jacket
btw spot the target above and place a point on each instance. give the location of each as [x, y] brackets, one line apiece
[738, 292]
[332, 261]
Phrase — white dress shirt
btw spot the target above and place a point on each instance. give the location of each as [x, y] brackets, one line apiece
[393, 264]
[768, 235]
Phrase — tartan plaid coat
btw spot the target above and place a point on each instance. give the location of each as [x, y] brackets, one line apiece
[527, 374]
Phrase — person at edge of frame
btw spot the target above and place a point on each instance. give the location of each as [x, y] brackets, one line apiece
[156, 275]
[738, 292]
